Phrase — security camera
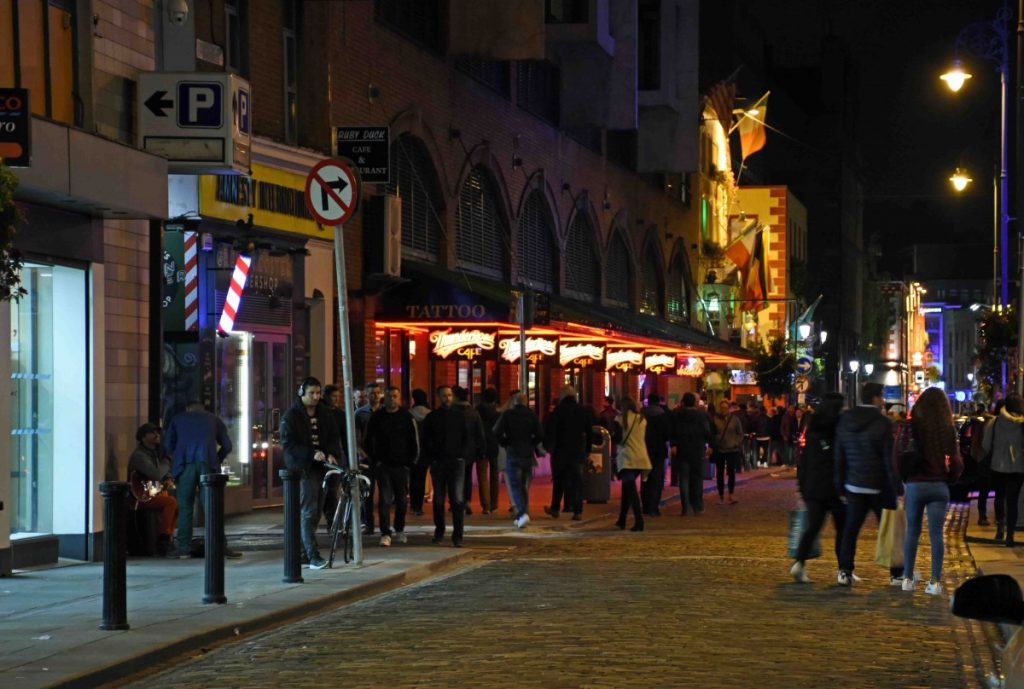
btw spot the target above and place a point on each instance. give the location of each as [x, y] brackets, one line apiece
[177, 11]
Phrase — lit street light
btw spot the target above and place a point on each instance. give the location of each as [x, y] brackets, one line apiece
[869, 369]
[805, 330]
[960, 180]
[823, 335]
[956, 76]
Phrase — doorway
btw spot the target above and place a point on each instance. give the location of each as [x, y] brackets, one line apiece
[272, 394]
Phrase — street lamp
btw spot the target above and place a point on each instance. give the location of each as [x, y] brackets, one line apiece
[823, 335]
[960, 180]
[956, 76]
[805, 330]
[869, 369]
[854, 369]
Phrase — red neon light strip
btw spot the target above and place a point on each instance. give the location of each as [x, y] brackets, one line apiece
[234, 296]
[191, 283]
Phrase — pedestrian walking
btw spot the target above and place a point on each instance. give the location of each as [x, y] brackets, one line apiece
[374, 395]
[1003, 439]
[419, 491]
[656, 437]
[691, 438]
[816, 482]
[567, 438]
[939, 462]
[332, 397]
[311, 442]
[519, 431]
[392, 443]
[488, 477]
[149, 463]
[631, 460]
[727, 446]
[981, 459]
[198, 442]
[864, 474]
[475, 449]
[446, 442]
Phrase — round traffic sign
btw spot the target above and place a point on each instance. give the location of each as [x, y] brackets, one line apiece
[332, 189]
[803, 384]
[804, 365]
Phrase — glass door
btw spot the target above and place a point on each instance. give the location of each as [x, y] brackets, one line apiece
[272, 394]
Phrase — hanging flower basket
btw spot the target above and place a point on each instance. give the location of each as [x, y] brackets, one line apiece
[10, 258]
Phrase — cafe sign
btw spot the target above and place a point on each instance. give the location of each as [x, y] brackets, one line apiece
[537, 348]
[580, 354]
[624, 360]
[689, 366]
[660, 363]
[468, 344]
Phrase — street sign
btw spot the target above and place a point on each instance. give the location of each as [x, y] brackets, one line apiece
[369, 150]
[200, 121]
[802, 384]
[804, 365]
[15, 127]
[332, 190]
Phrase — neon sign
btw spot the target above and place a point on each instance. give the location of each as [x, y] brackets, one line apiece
[624, 359]
[691, 366]
[536, 347]
[660, 363]
[468, 344]
[580, 354]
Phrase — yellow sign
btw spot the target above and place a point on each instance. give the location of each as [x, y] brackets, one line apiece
[276, 199]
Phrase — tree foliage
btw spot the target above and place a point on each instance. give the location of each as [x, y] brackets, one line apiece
[774, 365]
[10, 258]
[997, 343]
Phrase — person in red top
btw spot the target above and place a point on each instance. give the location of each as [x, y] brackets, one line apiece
[931, 422]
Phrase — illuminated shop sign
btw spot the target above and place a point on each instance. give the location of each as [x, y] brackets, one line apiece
[742, 377]
[691, 366]
[579, 354]
[464, 344]
[660, 363]
[624, 360]
[536, 348]
[446, 311]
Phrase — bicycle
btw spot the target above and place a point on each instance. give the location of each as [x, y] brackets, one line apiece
[341, 523]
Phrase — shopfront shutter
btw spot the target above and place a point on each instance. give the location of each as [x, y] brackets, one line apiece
[582, 264]
[619, 278]
[481, 243]
[414, 182]
[650, 283]
[535, 246]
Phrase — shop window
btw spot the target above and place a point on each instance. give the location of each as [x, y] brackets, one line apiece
[413, 180]
[37, 53]
[481, 241]
[677, 307]
[291, 58]
[535, 246]
[650, 283]
[236, 36]
[582, 263]
[619, 275]
[538, 89]
[494, 74]
[417, 20]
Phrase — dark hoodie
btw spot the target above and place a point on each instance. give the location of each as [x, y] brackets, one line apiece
[659, 431]
[863, 446]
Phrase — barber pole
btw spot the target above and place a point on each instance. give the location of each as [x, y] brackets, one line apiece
[191, 283]
[234, 296]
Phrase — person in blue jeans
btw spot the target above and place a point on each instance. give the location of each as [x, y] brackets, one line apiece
[931, 422]
[519, 431]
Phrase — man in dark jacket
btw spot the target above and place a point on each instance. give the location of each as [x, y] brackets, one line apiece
[488, 478]
[392, 443]
[691, 435]
[374, 394]
[567, 438]
[446, 443]
[519, 432]
[863, 470]
[311, 442]
[475, 452]
[659, 432]
[332, 397]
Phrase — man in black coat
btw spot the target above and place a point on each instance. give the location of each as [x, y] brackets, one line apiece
[391, 441]
[475, 452]
[659, 431]
[311, 442]
[446, 443]
[519, 432]
[487, 472]
[691, 436]
[567, 438]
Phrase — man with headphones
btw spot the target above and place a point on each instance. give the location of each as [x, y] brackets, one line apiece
[311, 441]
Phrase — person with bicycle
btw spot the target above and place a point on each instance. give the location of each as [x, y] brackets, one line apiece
[391, 443]
[311, 441]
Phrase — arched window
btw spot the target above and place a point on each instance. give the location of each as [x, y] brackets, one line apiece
[582, 262]
[535, 246]
[619, 274]
[650, 282]
[414, 181]
[677, 307]
[481, 241]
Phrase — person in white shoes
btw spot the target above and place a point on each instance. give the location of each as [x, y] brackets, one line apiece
[519, 431]
[391, 442]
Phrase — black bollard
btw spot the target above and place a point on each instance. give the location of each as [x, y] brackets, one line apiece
[292, 538]
[213, 509]
[115, 536]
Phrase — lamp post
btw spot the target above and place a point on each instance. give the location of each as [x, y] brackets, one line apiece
[855, 370]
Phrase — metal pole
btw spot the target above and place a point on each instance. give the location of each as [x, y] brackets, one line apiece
[1004, 260]
[1020, 188]
[213, 510]
[1020, 325]
[115, 576]
[292, 543]
[995, 243]
[346, 377]
[523, 363]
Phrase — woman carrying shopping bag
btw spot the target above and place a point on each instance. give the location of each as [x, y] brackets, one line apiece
[631, 460]
[938, 461]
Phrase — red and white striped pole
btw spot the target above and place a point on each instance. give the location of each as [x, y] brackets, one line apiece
[234, 296]
[191, 283]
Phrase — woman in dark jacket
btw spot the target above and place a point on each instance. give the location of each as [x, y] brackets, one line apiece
[816, 481]
[931, 421]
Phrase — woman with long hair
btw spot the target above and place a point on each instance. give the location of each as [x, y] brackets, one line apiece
[931, 422]
[816, 480]
[631, 459]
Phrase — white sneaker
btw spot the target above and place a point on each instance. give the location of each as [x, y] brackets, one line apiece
[855, 579]
[908, 584]
[400, 537]
[522, 521]
[385, 541]
[895, 581]
[799, 574]
[843, 579]
[934, 588]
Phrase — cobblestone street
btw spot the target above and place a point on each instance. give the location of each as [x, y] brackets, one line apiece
[691, 602]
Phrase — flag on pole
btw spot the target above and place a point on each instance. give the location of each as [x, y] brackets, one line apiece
[751, 126]
[742, 248]
[721, 96]
[755, 277]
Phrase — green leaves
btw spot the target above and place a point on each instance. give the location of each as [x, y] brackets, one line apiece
[775, 366]
[10, 258]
